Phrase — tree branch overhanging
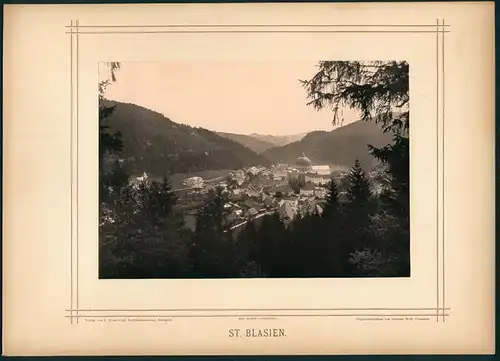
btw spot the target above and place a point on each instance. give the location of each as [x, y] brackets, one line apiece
[378, 90]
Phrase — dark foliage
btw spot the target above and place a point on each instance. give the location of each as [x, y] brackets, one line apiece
[142, 235]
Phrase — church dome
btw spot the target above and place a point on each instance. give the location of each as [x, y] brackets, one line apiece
[303, 161]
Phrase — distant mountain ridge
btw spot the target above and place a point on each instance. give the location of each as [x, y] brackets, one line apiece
[339, 147]
[156, 145]
[253, 143]
[279, 140]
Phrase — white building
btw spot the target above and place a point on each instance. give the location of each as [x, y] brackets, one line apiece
[253, 170]
[317, 179]
[239, 177]
[322, 169]
[193, 182]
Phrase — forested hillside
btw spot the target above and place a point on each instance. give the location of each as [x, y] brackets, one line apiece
[338, 147]
[156, 145]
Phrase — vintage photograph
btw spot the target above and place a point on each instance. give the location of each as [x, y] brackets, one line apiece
[232, 169]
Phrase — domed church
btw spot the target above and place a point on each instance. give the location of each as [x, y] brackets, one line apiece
[303, 164]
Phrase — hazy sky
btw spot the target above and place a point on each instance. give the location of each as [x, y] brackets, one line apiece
[235, 97]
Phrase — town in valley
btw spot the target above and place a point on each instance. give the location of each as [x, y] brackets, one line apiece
[251, 193]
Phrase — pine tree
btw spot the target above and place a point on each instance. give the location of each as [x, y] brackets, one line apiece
[396, 157]
[273, 246]
[110, 144]
[212, 249]
[161, 199]
[358, 207]
[331, 207]
[212, 215]
[358, 192]
[331, 232]
[311, 247]
[396, 203]
[246, 250]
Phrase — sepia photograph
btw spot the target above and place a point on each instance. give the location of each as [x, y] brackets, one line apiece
[220, 169]
[234, 179]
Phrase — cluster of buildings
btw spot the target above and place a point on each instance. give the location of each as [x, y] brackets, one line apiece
[256, 191]
[251, 193]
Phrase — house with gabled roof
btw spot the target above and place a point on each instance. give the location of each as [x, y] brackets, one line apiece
[287, 211]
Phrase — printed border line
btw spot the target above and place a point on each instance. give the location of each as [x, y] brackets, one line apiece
[440, 282]
[443, 164]
[256, 26]
[440, 176]
[74, 149]
[255, 309]
[261, 315]
[71, 167]
[257, 31]
[437, 171]
[440, 209]
[77, 33]
[77, 167]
